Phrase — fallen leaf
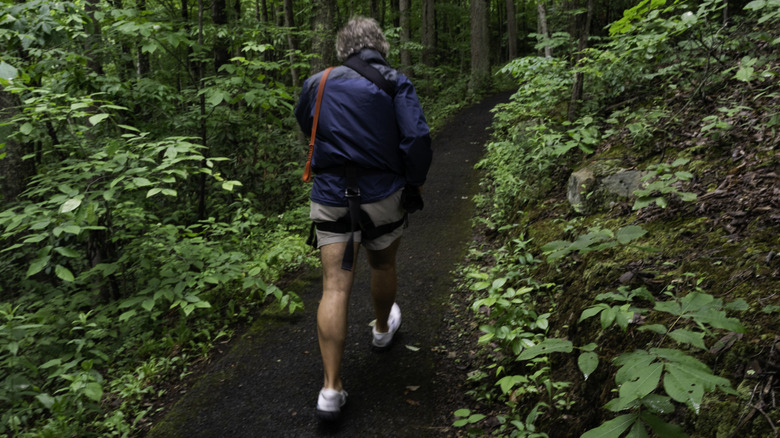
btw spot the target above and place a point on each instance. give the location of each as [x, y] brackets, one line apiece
[413, 348]
[413, 402]
[412, 388]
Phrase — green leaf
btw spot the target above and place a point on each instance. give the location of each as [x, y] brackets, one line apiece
[153, 192]
[26, 128]
[46, 400]
[97, 118]
[655, 328]
[643, 384]
[660, 404]
[638, 431]
[141, 182]
[612, 428]
[549, 345]
[228, 185]
[37, 265]
[67, 252]
[127, 315]
[684, 336]
[632, 365]
[629, 233]
[592, 311]
[94, 391]
[588, 362]
[63, 273]
[462, 413]
[70, 205]
[7, 71]
[662, 428]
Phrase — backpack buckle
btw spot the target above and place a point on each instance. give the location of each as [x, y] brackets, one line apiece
[352, 192]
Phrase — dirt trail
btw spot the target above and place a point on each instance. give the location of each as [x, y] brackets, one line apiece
[267, 384]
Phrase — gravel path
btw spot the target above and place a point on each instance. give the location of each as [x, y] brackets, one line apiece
[267, 384]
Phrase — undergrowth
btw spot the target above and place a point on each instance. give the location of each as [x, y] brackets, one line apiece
[642, 304]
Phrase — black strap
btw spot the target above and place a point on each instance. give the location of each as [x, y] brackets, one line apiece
[356, 63]
[355, 220]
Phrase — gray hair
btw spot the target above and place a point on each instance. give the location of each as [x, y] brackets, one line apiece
[361, 32]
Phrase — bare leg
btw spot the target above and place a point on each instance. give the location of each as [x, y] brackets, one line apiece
[332, 312]
[384, 282]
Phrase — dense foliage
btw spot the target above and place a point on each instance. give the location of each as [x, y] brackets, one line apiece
[151, 197]
[649, 304]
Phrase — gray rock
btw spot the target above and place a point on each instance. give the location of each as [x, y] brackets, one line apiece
[580, 184]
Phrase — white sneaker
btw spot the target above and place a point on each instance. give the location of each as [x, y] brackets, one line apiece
[383, 341]
[329, 404]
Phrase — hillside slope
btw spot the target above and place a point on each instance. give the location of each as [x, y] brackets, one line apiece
[651, 308]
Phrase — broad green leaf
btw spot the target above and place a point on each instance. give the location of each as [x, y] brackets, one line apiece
[37, 265]
[7, 71]
[632, 365]
[608, 316]
[462, 413]
[638, 431]
[684, 336]
[669, 307]
[662, 428]
[97, 118]
[70, 205]
[148, 304]
[228, 185]
[643, 384]
[682, 389]
[588, 362]
[46, 400]
[72, 229]
[153, 192]
[659, 404]
[549, 345]
[127, 315]
[592, 311]
[141, 182]
[629, 233]
[612, 428]
[26, 128]
[67, 252]
[94, 391]
[63, 273]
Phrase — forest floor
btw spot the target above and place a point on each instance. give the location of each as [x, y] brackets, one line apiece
[265, 382]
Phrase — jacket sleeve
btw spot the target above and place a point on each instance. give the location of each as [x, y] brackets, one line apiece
[415, 136]
[303, 109]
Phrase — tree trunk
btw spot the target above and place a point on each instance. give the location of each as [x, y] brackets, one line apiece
[579, 77]
[428, 32]
[143, 65]
[289, 23]
[95, 37]
[480, 47]
[220, 19]
[511, 29]
[543, 29]
[203, 131]
[324, 32]
[374, 8]
[14, 172]
[406, 31]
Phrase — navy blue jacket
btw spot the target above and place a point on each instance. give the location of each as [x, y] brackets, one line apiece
[361, 124]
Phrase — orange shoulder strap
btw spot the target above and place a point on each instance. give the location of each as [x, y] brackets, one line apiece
[320, 90]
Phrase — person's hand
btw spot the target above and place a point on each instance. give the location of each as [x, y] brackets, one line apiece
[411, 199]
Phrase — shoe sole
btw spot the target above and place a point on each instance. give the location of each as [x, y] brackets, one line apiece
[388, 346]
[329, 416]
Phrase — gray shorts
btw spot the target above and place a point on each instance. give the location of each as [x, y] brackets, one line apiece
[386, 211]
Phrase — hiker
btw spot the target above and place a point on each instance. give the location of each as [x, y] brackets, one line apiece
[371, 157]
